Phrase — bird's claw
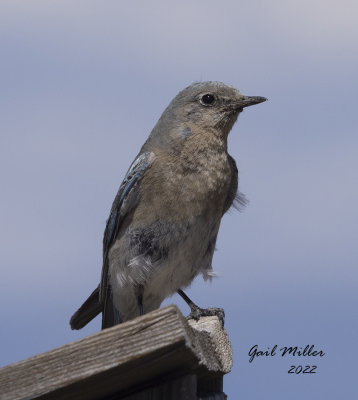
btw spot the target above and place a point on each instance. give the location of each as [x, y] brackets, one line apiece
[196, 313]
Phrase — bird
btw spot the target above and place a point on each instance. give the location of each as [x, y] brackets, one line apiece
[165, 218]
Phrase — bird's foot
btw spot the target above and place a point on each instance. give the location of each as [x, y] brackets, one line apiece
[197, 312]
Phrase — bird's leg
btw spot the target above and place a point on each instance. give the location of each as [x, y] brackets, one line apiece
[116, 319]
[197, 312]
[139, 293]
[140, 304]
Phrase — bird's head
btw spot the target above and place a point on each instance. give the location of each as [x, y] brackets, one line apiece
[204, 106]
[211, 105]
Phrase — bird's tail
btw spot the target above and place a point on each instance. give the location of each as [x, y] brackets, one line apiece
[89, 310]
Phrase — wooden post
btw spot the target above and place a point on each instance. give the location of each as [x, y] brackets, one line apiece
[160, 355]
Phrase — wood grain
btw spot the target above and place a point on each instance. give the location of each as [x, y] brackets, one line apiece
[157, 347]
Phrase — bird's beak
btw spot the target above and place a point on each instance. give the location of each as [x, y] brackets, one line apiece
[246, 101]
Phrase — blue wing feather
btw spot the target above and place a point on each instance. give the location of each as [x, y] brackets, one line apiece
[129, 196]
[132, 177]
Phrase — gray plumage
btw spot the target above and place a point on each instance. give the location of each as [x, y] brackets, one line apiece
[164, 221]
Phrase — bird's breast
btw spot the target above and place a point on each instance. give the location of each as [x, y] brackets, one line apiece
[194, 183]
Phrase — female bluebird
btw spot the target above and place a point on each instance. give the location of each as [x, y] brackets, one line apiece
[165, 218]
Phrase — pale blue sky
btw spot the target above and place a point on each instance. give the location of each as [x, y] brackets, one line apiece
[83, 83]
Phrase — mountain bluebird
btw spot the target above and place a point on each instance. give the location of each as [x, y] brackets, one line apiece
[165, 218]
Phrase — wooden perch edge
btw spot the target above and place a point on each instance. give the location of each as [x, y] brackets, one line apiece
[158, 347]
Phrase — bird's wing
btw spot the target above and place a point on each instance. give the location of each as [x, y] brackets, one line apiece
[126, 200]
[233, 185]
[234, 197]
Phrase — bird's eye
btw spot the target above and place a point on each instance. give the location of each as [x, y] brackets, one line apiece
[207, 99]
